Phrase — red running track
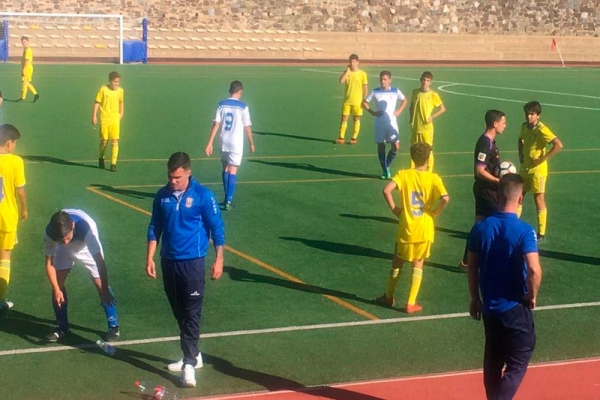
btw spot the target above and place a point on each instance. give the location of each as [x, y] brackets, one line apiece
[572, 380]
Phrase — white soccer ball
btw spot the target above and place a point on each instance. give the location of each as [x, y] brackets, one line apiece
[506, 167]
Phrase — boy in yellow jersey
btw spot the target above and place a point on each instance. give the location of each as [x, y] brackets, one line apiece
[422, 198]
[109, 100]
[423, 102]
[533, 140]
[12, 192]
[27, 71]
[356, 90]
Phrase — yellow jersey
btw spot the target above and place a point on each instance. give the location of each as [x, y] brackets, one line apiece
[27, 56]
[12, 176]
[423, 104]
[535, 141]
[110, 102]
[354, 87]
[419, 193]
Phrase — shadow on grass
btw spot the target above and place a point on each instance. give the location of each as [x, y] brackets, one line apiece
[312, 168]
[54, 160]
[274, 383]
[557, 255]
[241, 275]
[341, 248]
[298, 137]
[124, 192]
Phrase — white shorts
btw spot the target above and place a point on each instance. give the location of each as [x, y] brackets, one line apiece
[64, 258]
[386, 134]
[230, 158]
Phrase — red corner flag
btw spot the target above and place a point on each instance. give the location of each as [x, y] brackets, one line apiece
[553, 45]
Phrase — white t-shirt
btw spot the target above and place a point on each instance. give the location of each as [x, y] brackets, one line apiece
[386, 101]
[233, 115]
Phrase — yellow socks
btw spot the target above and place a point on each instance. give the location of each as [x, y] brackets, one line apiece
[114, 153]
[520, 210]
[343, 127]
[430, 165]
[417, 276]
[392, 282]
[542, 216]
[356, 130]
[4, 277]
[24, 87]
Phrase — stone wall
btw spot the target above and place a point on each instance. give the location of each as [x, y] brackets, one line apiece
[512, 17]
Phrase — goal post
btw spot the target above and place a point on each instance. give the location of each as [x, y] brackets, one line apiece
[63, 37]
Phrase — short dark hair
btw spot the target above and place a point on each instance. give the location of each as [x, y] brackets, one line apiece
[427, 74]
[235, 87]
[385, 73]
[60, 225]
[113, 75]
[510, 188]
[533, 107]
[25, 37]
[353, 57]
[419, 153]
[8, 132]
[179, 160]
[492, 116]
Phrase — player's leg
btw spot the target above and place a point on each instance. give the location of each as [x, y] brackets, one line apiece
[357, 112]
[393, 153]
[539, 190]
[415, 138]
[114, 135]
[5, 252]
[520, 345]
[343, 122]
[421, 252]
[494, 354]
[24, 85]
[431, 161]
[392, 282]
[231, 179]
[224, 175]
[104, 130]
[382, 162]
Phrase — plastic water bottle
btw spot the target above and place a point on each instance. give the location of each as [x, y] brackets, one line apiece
[107, 348]
[158, 392]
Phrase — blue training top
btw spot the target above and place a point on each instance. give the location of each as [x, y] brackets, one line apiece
[186, 223]
[501, 242]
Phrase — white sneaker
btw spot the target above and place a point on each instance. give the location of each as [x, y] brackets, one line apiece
[188, 376]
[178, 365]
[7, 305]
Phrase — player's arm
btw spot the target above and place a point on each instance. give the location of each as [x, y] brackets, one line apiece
[105, 296]
[401, 107]
[121, 109]
[556, 147]
[248, 130]
[440, 110]
[154, 233]
[520, 145]
[210, 213]
[534, 277]
[22, 199]
[473, 279]
[367, 106]
[344, 76]
[95, 113]
[482, 173]
[59, 298]
[211, 138]
[389, 199]
[441, 204]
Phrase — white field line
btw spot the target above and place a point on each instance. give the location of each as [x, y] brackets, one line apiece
[251, 332]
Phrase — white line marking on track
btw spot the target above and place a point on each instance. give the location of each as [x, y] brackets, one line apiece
[283, 329]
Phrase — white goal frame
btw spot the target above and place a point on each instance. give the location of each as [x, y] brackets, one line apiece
[61, 15]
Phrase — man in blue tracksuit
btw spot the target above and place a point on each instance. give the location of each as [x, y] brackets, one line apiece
[504, 279]
[186, 215]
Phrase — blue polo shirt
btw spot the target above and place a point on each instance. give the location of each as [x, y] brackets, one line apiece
[501, 242]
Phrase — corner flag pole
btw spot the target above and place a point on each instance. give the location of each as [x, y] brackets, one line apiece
[553, 47]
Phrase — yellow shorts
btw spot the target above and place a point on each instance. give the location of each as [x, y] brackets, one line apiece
[112, 131]
[413, 251]
[28, 75]
[534, 183]
[354, 109]
[8, 240]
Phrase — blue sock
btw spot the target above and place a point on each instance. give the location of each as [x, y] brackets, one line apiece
[225, 179]
[381, 156]
[391, 156]
[62, 319]
[110, 310]
[231, 187]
